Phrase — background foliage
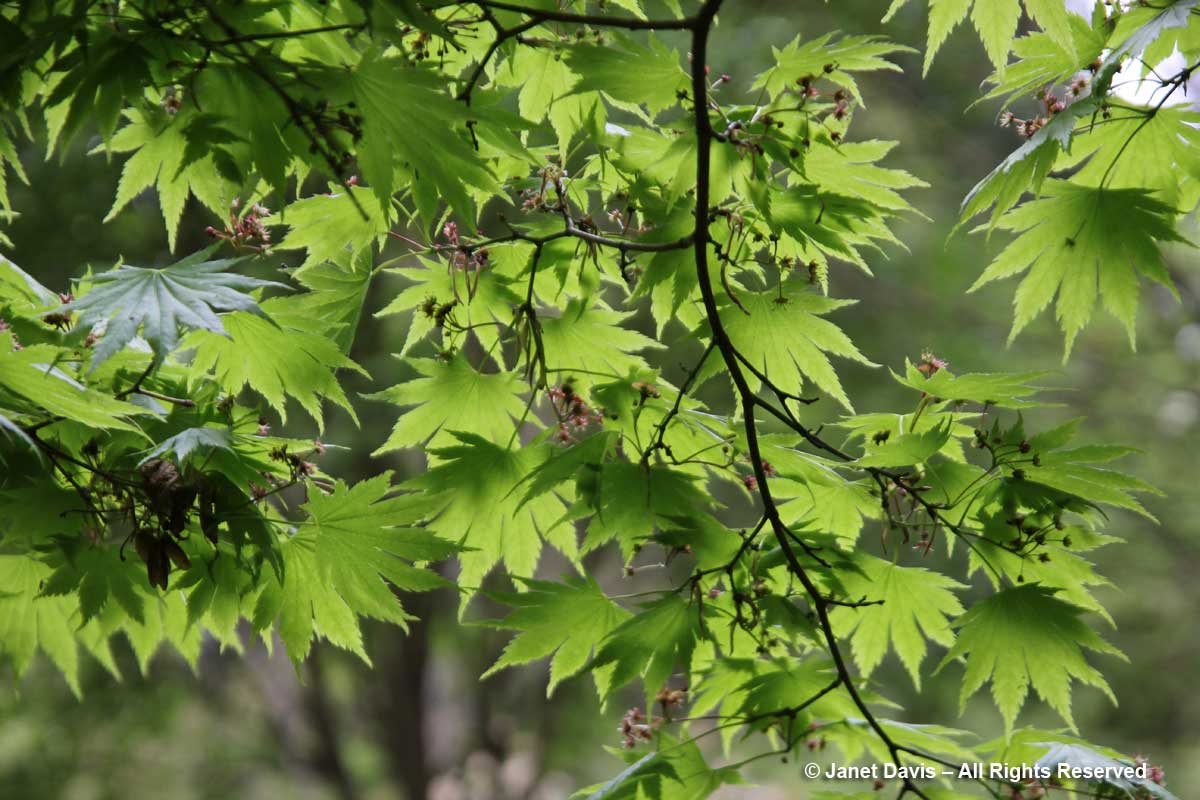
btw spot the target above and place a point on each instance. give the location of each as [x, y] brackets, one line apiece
[246, 726]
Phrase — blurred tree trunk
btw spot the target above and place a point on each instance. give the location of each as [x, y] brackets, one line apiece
[327, 759]
[397, 684]
[399, 692]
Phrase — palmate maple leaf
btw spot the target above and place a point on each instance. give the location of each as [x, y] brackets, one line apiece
[564, 619]
[1027, 636]
[29, 377]
[284, 355]
[917, 604]
[158, 302]
[788, 341]
[1083, 243]
[450, 395]
[342, 564]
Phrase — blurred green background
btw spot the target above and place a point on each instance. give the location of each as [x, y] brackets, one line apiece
[420, 724]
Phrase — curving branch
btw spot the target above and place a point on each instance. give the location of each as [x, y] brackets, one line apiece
[704, 136]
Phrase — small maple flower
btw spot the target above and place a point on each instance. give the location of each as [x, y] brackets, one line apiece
[1029, 127]
[634, 729]
[750, 482]
[931, 364]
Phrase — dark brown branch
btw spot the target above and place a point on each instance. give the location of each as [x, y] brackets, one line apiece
[661, 429]
[502, 35]
[256, 37]
[600, 20]
[704, 136]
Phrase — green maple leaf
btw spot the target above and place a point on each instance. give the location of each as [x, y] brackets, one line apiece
[279, 355]
[642, 778]
[817, 497]
[1080, 756]
[788, 341]
[631, 500]
[161, 143]
[341, 563]
[452, 396]
[192, 440]
[40, 387]
[331, 228]
[484, 302]
[590, 339]
[1026, 636]
[1139, 31]
[1083, 243]
[1001, 389]
[159, 302]
[408, 115]
[8, 158]
[852, 167]
[907, 448]
[606, 69]
[474, 500]
[564, 619]
[17, 284]
[994, 20]
[30, 621]
[918, 604]
[789, 682]
[1025, 169]
[98, 575]
[543, 77]
[677, 770]
[1043, 61]
[1074, 472]
[651, 643]
[337, 292]
[1072, 575]
[1169, 133]
[165, 621]
[828, 57]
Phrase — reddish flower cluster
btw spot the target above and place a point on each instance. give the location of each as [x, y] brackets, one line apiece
[1051, 104]
[931, 364]
[574, 414]
[751, 482]
[634, 728]
[248, 232]
[1153, 771]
